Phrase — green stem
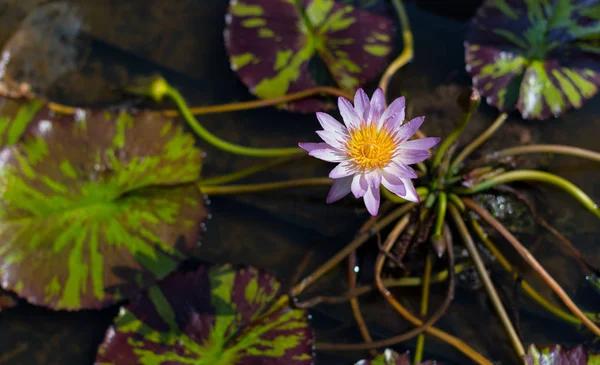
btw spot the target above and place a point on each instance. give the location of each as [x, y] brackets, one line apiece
[448, 141]
[424, 305]
[422, 192]
[256, 188]
[202, 132]
[547, 148]
[533, 175]
[440, 217]
[487, 282]
[238, 175]
[408, 51]
[476, 143]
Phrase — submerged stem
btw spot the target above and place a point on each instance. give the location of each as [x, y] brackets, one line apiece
[256, 188]
[546, 148]
[487, 282]
[238, 175]
[424, 307]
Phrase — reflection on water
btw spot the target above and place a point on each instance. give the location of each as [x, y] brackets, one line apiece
[183, 41]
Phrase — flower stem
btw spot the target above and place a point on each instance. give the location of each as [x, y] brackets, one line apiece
[424, 305]
[256, 188]
[529, 290]
[355, 244]
[440, 215]
[408, 51]
[487, 282]
[422, 192]
[533, 175]
[546, 148]
[448, 141]
[476, 143]
[238, 175]
[548, 279]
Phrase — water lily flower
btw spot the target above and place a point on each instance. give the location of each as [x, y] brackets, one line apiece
[371, 148]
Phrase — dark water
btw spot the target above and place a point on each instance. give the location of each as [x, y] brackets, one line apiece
[183, 41]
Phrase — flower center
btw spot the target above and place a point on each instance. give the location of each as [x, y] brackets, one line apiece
[370, 148]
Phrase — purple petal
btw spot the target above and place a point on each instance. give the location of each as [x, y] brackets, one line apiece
[323, 151]
[395, 185]
[394, 115]
[373, 179]
[372, 200]
[333, 139]
[339, 189]
[329, 123]
[408, 157]
[344, 169]
[359, 186]
[409, 128]
[411, 192]
[377, 107]
[351, 119]
[361, 104]
[400, 170]
[420, 144]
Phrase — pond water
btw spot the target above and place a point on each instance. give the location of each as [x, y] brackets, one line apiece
[183, 41]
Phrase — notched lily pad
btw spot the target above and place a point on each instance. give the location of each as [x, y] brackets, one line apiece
[95, 206]
[542, 57]
[391, 357]
[559, 355]
[271, 44]
[215, 315]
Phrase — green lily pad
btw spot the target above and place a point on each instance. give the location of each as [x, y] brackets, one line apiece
[541, 57]
[216, 315]
[271, 44]
[391, 357]
[559, 355]
[96, 205]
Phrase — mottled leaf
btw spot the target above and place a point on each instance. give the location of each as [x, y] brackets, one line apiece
[213, 316]
[391, 357]
[540, 56]
[559, 355]
[96, 205]
[271, 44]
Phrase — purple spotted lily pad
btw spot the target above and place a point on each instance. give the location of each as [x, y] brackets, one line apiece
[216, 315]
[391, 357]
[271, 44]
[95, 205]
[539, 56]
[559, 355]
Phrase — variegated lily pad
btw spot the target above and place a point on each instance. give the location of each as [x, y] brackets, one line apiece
[540, 56]
[559, 355]
[215, 315]
[94, 206]
[391, 357]
[271, 44]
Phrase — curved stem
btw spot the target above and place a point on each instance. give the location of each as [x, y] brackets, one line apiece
[533, 175]
[546, 148]
[529, 290]
[356, 243]
[477, 142]
[217, 142]
[256, 188]
[487, 282]
[355, 305]
[408, 51]
[448, 141]
[424, 307]
[239, 175]
[534, 264]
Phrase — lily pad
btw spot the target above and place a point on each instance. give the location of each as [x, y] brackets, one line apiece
[96, 205]
[559, 355]
[541, 57]
[271, 44]
[216, 315]
[391, 357]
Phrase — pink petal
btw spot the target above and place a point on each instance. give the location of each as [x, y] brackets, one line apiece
[377, 107]
[395, 185]
[420, 144]
[344, 169]
[373, 179]
[359, 186]
[361, 104]
[333, 139]
[329, 123]
[411, 192]
[324, 152]
[349, 115]
[372, 200]
[339, 189]
[408, 157]
[409, 128]
[400, 170]
[394, 115]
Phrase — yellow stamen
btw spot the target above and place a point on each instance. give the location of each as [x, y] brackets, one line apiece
[370, 148]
